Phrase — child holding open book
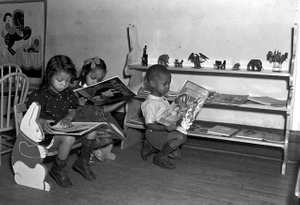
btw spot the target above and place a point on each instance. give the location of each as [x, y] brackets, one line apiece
[94, 71]
[58, 106]
[160, 137]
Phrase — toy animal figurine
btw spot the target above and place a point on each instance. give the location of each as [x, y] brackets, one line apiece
[254, 65]
[197, 59]
[163, 60]
[145, 57]
[236, 66]
[27, 155]
[219, 65]
[178, 64]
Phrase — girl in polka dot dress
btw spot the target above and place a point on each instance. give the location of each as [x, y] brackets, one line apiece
[58, 106]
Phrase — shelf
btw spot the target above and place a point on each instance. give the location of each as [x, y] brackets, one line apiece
[189, 70]
[138, 124]
[253, 106]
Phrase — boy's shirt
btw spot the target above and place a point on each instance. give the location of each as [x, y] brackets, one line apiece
[153, 108]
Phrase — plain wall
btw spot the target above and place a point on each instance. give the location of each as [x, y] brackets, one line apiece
[231, 30]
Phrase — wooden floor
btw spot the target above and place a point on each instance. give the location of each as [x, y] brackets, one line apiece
[201, 177]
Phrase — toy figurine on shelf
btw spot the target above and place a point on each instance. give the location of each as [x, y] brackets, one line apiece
[145, 57]
[163, 60]
[178, 64]
[236, 66]
[254, 65]
[219, 65]
[197, 59]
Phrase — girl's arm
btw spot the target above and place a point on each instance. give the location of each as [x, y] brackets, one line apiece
[66, 121]
[113, 107]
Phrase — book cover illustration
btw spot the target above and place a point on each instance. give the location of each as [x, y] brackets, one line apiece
[226, 99]
[104, 129]
[76, 128]
[186, 106]
[109, 91]
[265, 100]
[222, 130]
[250, 134]
[197, 129]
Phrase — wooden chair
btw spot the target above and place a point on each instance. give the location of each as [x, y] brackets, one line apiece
[23, 173]
[13, 90]
[9, 68]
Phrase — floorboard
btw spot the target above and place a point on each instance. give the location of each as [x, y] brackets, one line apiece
[201, 177]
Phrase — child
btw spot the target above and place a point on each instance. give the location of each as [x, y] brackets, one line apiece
[58, 105]
[159, 137]
[94, 71]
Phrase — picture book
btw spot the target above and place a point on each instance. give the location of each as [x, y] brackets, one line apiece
[109, 91]
[265, 100]
[105, 129]
[222, 131]
[250, 134]
[186, 106]
[226, 99]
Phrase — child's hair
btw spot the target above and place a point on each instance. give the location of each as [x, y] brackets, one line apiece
[90, 64]
[155, 71]
[7, 14]
[56, 64]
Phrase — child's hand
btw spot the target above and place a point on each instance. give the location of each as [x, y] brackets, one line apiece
[82, 101]
[46, 125]
[65, 122]
[171, 127]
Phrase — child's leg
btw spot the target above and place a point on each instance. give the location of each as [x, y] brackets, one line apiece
[147, 150]
[64, 145]
[82, 163]
[167, 144]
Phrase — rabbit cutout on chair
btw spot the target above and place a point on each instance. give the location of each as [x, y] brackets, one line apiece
[28, 155]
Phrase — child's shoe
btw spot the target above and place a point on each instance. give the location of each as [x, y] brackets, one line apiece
[104, 153]
[98, 155]
[164, 162]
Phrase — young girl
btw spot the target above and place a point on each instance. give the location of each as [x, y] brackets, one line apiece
[94, 71]
[58, 106]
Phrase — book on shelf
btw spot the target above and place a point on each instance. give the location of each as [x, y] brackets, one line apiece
[260, 135]
[226, 99]
[265, 100]
[186, 106]
[109, 91]
[222, 131]
[108, 129]
[197, 129]
[250, 134]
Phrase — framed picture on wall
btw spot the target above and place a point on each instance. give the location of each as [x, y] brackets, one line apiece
[23, 35]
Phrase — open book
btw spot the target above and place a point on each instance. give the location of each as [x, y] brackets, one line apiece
[104, 129]
[186, 106]
[109, 91]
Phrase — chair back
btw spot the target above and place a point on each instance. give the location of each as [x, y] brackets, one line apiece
[9, 68]
[13, 90]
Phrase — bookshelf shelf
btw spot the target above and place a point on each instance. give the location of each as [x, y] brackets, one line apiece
[134, 125]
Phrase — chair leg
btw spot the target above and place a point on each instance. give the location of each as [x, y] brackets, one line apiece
[0, 149]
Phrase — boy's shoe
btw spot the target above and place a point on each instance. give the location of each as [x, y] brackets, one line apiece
[164, 162]
[147, 150]
[82, 166]
[176, 154]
